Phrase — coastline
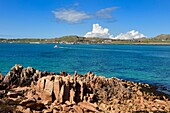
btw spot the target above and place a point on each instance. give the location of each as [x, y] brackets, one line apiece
[30, 90]
[87, 43]
[163, 39]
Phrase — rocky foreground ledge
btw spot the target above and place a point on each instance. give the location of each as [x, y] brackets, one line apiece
[30, 91]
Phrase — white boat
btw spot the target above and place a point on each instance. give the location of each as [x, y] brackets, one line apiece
[56, 46]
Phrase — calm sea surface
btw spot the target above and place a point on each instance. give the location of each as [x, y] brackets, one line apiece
[140, 63]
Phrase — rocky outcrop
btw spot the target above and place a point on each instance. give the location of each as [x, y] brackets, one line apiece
[29, 90]
[19, 76]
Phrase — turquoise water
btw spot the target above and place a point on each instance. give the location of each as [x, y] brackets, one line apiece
[140, 63]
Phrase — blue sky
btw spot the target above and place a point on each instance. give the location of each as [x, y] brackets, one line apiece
[55, 18]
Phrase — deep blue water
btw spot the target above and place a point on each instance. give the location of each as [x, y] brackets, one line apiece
[140, 63]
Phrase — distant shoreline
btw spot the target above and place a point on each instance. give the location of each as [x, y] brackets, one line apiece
[159, 40]
[87, 43]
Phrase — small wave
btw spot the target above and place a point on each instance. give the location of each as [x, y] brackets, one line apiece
[97, 49]
[162, 55]
[102, 49]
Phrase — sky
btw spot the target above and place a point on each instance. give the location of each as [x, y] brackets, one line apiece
[56, 18]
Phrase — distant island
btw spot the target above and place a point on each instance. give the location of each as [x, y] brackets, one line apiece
[73, 39]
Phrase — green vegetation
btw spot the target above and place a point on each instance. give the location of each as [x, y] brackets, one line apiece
[161, 39]
[69, 38]
[165, 37]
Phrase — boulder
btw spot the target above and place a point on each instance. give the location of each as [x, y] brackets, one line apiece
[32, 103]
[48, 90]
[38, 106]
[102, 106]
[160, 102]
[1, 77]
[63, 73]
[13, 101]
[68, 103]
[13, 94]
[29, 94]
[28, 102]
[28, 110]
[57, 87]
[20, 108]
[77, 109]
[40, 85]
[65, 108]
[81, 90]
[88, 106]
[9, 78]
[61, 95]
[139, 93]
[30, 71]
[66, 90]
[72, 95]
[17, 68]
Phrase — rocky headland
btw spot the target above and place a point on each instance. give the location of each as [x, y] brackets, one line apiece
[29, 90]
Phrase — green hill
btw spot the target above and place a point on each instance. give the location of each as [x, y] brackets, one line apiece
[73, 39]
[163, 37]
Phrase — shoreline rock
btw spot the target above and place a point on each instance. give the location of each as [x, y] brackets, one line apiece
[29, 90]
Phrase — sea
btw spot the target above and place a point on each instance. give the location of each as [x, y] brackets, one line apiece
[139, 63]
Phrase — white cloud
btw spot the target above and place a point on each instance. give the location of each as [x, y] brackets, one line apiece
[98, 31]
[70, 15]
[129, 35]
[105, 13]
[74, 16]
